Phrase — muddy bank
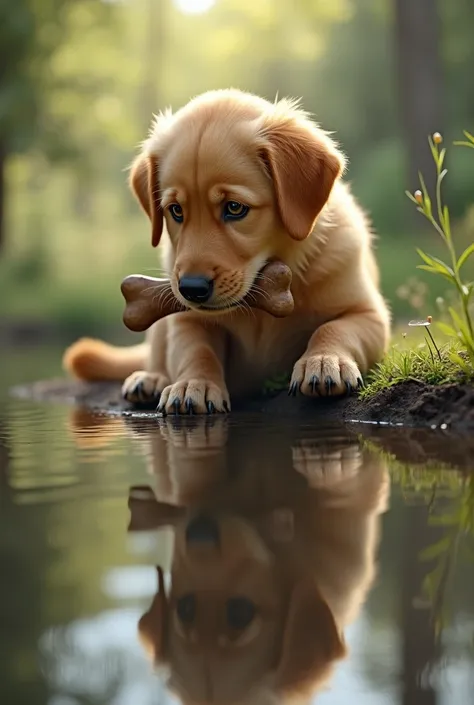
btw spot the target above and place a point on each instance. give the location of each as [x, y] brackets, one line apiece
[409, 403]
[418, 404]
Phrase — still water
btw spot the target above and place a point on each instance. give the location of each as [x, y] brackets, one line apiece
[336, 560]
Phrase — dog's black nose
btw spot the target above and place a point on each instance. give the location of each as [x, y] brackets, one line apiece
[196, 288]
[203, 529]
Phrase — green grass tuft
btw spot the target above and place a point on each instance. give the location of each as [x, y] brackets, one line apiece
[420, 364]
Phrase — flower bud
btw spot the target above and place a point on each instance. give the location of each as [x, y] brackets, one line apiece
[437, 138]
[418, 196]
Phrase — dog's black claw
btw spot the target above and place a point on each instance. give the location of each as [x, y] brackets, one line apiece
[348, 388]
[360, 383]
[226, 406]
[329, 384]
[176, 405]
[189, 406]
[161, 409]
[293, 389]
[211, 409]
[314, 382]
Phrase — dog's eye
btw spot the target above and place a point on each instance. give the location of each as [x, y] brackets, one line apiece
[176, 212]
[240, 613]
[233, 210]
[186, 609]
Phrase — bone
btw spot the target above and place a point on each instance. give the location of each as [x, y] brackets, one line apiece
[148, 299]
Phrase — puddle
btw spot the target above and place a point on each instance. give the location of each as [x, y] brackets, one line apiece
[331, 560]
[342, 567]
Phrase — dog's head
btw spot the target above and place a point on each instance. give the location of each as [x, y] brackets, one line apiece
[238, 180]
[237, 625]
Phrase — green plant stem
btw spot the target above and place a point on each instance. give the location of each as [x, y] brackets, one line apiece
[446, 235]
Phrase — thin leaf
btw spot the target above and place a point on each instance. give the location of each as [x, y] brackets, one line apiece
[442, 155]
[427, 268]
[426, 197]
[458, 360]
[411, 197]
[435, 550]
[436, 263]
[464, 144]
[465, 256]
[447, 330]
[469, 136]
[434, 150]
[426, 258]
[443, 520]
[459, 323]
[446, 222]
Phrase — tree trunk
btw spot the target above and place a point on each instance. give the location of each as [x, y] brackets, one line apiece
[420, 647]
[3, 160]
[151, 98]
[417, 30]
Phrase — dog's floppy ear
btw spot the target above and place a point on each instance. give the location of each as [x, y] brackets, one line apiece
[311, 640]
[153, 624]
[145, 185]
[303, 163]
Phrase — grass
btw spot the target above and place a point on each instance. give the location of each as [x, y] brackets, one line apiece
[419, 364]
[430, 363]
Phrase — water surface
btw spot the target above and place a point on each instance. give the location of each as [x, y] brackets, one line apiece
[91, 505]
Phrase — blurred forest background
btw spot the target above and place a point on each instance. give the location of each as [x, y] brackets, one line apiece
[80, 79]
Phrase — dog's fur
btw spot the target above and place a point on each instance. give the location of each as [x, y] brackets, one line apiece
[299, 529]
[229, 145]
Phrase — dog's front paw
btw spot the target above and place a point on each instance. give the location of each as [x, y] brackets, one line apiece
[325, 375]
[144, 387]
[324, 465]
[194, 396]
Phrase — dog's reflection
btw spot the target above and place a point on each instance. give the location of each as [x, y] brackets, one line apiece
[275, 537]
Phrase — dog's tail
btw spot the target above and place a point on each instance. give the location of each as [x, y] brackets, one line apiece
[95, 360]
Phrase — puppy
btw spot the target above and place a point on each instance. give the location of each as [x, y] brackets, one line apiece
[273, 555]
[229, 182]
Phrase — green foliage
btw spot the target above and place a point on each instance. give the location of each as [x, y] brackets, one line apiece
[448, 494]
[79, 80]
[451, 506]
[420, 364]
[438, 215]
[278, 383]
[40, 41]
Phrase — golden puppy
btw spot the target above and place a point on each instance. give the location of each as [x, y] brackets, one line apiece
[274, 552]
[229, 182]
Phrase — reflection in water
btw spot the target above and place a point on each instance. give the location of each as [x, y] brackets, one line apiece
[275, 583]
[274, 551]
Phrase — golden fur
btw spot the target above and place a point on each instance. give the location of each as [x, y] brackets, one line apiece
[229, 145]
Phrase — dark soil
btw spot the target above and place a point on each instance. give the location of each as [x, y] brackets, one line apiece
[408, 403]
[418, 404]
